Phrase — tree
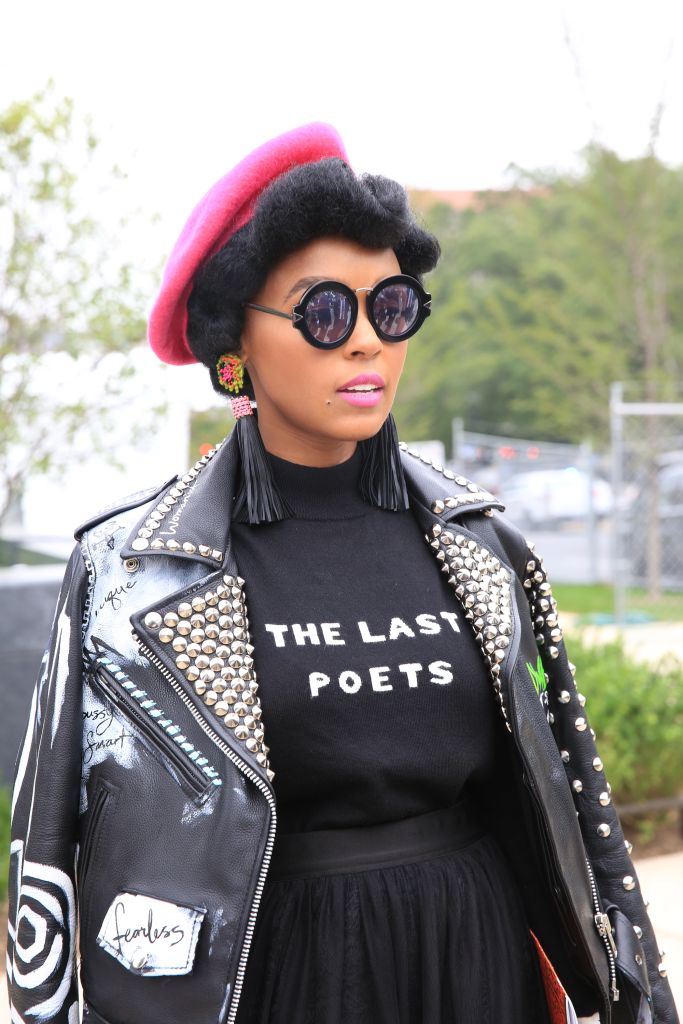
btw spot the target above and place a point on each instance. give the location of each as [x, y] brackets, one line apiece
[545, 295]
[68, 306]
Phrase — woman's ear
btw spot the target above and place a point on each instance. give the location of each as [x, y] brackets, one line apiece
[245, 346]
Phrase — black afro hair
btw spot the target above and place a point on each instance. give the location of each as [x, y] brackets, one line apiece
[315, 200]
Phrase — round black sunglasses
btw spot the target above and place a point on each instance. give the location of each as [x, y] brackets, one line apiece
[327, 313]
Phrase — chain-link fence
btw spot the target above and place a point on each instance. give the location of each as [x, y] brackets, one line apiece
[560, 496]
[647, 477]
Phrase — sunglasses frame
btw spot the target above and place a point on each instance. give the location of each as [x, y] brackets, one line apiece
[297, 316]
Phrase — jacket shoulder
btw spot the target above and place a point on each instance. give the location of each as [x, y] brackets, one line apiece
[442, 491]
[123, 505]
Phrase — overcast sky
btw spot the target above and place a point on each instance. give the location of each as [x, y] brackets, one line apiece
[436, 94]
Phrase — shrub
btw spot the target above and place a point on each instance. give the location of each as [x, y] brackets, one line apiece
[637, 713]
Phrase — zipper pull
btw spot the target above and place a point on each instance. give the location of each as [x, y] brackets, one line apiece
[603, 924]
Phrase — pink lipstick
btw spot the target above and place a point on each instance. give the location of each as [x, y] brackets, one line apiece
[365, 390]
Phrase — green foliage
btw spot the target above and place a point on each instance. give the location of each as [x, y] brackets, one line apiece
[5, 810]
[66, 300]
[546, 294]
[637, 714]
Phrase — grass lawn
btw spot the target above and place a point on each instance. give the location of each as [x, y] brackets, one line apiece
[598, 599]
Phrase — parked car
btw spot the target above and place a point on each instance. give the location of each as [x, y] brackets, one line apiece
[547, 497]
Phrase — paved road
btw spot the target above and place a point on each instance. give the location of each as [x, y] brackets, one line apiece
[661, 879]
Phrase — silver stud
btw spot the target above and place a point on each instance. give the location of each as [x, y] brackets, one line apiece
[577, 785]
[204, 551]
[597, 764]
[582, 699]
[182, 661]
[580, 725]
[662, 971]
[629, 847]
[153, 620]
[564, 754]
[604, 799]
[140, 544]
[166, 635]
[173, 545]
[171, 619]
[604, 830]
[189, 548]
[628, 882]
[638, 959]
[564, 697]
[638, 931]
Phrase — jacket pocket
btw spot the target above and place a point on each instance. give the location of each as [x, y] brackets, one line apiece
[149, 936]
[635, 998]
[100, 806]
[190, 769]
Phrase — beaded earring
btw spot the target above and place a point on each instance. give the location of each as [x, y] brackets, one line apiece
[257, 499]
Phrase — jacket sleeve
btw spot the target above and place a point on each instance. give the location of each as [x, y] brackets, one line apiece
[41, 969]
[606, 849]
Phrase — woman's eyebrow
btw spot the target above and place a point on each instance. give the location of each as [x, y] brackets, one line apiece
[303, 282]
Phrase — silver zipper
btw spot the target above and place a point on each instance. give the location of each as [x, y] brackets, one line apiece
[258, 781]
[604, 927]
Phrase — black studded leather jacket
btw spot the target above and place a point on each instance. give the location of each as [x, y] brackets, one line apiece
[144, 806]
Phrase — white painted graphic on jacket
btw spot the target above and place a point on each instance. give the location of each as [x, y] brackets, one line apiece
[150, 936]
[59, 670]
[105, 734]
[41, 934]
[378, 678]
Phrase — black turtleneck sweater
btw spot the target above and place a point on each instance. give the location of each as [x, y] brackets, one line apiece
[376, 703]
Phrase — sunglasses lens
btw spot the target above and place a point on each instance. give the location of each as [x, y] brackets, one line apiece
[396, 308]
[328, 316]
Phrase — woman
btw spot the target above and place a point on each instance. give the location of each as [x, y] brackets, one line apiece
[364, 833]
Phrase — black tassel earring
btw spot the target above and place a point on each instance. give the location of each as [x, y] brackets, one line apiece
[258, 499]
[382, 481]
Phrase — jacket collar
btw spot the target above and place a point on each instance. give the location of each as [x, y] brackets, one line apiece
[191, 518]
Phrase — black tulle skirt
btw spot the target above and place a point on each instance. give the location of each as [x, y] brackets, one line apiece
[419, 924]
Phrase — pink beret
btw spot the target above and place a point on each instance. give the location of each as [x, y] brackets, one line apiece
[224, 210]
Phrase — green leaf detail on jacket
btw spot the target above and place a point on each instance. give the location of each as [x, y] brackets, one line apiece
[537, 675]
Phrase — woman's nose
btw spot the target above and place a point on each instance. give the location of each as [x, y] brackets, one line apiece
[364, 341]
